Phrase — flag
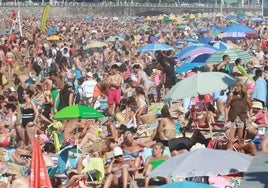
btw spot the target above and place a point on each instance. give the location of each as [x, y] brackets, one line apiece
[39, 177]
[44, 18]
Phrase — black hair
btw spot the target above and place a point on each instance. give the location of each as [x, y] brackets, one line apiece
[49, 147]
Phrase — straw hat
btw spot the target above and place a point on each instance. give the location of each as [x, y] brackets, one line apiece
[257, 104]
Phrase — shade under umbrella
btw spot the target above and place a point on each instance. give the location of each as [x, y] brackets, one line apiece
[203, 162]
[77, 112]
[200, 83]
[155, 47]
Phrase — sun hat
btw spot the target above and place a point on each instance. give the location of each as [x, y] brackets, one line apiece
[117, 151]
[257, 104]
[89, 74]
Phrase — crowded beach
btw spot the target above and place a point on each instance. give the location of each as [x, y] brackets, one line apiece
[132, 101]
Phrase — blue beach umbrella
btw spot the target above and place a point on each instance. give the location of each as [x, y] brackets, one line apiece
[222, 45]
[239, 28]
[155, 47]
[201, 58]
[193, 51]
[205, 40]
[186, 184]
[188, 66]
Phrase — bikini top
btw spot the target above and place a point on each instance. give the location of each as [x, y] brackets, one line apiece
[133, 154]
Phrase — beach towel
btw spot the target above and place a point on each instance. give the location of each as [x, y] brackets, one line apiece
[95, 164]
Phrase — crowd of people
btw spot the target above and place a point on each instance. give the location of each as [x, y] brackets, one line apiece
[97, 63]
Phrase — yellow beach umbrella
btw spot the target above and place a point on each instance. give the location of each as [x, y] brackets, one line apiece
[95, 44]
[172, 17]
[160, 17]
[54, 38]
[192, 16]
[148, 18]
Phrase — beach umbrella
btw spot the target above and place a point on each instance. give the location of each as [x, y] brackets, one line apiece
[193, 51]
[203, 162]
[232, 52]
[52, 30]
[95, 44]
[202, 58]
[205, 40]
[38, 175]
[54, 38]
[222, 45]
[113, 38]
[67, 157]
[258, 20]
[237, 31]
[155, 47]
[188, 66]
[200, 83]
[77, 112]
[186, 184]
[192, 40]
[202, 30]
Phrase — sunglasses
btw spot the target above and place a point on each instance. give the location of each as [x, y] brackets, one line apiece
[118, 156]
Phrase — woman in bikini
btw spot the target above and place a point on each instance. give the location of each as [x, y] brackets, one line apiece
[118, 170]
[166, 129]
[30, 114]
[154, 161]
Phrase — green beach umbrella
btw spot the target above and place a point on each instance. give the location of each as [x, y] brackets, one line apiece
[232, 52]
[77, 112]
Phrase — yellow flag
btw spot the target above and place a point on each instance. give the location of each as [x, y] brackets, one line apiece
[44, 18]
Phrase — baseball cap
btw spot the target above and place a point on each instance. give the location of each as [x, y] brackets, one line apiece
[117, 151]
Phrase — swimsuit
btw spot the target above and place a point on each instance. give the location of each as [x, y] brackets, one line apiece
[156, 163]
[133, 154]
[27, 116]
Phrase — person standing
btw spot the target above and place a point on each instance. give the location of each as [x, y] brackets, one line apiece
[114, 91]
[65, 97]
[239, 105]
[88, 88]
[260, 88]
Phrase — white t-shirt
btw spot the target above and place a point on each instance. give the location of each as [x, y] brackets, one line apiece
[88, 87]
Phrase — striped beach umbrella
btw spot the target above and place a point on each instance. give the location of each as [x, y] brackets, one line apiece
[232, 52]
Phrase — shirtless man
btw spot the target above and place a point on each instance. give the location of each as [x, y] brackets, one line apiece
[114, 91]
